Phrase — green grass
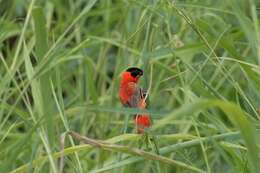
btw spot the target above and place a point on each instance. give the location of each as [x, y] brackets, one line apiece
[60, 66]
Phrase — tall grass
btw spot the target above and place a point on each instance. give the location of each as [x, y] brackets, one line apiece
[60, 68]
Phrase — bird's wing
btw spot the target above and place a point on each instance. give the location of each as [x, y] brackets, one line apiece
[136, 94]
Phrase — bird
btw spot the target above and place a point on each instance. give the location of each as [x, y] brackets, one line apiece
[133, 96]
[129, 91]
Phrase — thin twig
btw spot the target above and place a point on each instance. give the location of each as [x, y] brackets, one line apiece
[150, 83]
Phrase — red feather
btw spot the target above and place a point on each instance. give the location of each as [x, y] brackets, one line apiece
[127, 87]
[142, 122]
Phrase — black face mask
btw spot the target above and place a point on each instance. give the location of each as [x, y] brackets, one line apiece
[135, 71]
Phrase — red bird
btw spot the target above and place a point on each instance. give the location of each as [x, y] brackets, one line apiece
[131, 95]
[129, 91]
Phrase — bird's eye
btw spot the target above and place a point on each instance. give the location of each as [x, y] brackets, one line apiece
[135, 73]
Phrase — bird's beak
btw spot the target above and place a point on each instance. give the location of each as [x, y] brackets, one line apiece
[138, 76]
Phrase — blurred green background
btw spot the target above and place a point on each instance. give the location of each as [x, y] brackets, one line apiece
[60, 68]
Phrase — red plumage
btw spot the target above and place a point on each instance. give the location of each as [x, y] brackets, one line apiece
[128, 86]
[142, 122]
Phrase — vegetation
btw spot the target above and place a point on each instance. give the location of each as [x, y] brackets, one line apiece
[60, 69]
